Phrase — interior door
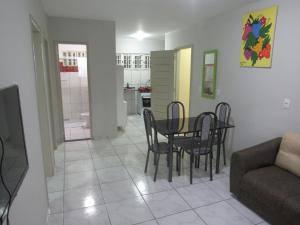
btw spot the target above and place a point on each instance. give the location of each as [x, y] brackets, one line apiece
[162, 82]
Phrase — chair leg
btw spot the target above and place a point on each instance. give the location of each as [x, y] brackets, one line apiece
[182, 154]
[224, 154]
[210, 165]
[199, 161]
[147, 160]
[191, 168]
[205, 162]
[179, 163]
[156, 168]
[197, 165]
[168, 160]
[154, 158]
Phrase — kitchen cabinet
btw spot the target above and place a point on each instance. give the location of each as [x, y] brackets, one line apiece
[133, 60]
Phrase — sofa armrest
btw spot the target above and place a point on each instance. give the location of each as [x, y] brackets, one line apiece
[250, 159]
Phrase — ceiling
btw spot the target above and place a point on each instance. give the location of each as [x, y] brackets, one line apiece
[156, 17]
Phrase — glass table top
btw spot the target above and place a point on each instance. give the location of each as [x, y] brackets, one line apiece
[180, 126]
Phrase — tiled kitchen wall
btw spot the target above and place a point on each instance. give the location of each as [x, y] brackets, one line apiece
[74, 95]
[136, 78]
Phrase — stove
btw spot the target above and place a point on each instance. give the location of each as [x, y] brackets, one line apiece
[143, 101]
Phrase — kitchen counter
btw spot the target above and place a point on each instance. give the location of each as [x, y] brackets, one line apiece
[130, 97]
[133, 96]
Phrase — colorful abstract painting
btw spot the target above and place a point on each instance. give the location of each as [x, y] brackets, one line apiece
[257, 38]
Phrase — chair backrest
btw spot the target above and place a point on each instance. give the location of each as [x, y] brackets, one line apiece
[176, 115]
[151, 131]
[205, 126]
[223, 111]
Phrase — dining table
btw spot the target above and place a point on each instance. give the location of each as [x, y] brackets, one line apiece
[173, 127]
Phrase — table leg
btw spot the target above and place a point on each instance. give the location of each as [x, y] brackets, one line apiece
[218, 152]
[170, 157]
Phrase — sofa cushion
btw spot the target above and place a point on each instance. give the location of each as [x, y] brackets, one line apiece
[270, 185]
[291, 210]
[288, 156]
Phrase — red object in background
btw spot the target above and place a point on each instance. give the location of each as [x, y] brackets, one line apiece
[144, 89]
[61, 66]
[64, 69]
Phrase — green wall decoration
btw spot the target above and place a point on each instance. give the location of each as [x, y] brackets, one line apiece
[209, 75]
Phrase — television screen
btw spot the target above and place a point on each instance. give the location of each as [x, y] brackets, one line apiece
[13, 155]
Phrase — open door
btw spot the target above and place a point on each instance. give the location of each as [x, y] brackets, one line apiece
[162, 82]
[183, 77]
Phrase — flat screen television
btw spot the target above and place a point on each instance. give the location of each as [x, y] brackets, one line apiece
[13, 154]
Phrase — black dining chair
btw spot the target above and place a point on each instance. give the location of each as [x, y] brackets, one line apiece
[154, 146]
[176, 115]
[202, 141]
[223, 111]
[176, 120]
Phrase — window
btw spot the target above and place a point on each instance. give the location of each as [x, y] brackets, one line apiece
[134, 61]
[147, 62]
[119, 61]
[127, 61]
[138, 62]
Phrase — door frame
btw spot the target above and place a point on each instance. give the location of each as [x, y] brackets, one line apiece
[46, 54]
[191, 46]
[47, 151]
[61, 112]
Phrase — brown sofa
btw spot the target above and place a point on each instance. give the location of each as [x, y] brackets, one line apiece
[270, 191]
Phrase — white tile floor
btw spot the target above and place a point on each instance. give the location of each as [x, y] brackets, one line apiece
[103, 183]
[76, 130]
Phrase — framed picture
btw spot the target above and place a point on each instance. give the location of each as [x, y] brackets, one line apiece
[209, 75]
[258, 37]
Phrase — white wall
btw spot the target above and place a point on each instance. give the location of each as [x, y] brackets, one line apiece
[131, 45]
[17, 67]
[100, 38]
[256, 95]
[75, 95]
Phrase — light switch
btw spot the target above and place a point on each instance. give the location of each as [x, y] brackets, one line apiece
[286, 103]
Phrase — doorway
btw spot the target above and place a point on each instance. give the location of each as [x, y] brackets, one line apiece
[73, 73]
[183, 77]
